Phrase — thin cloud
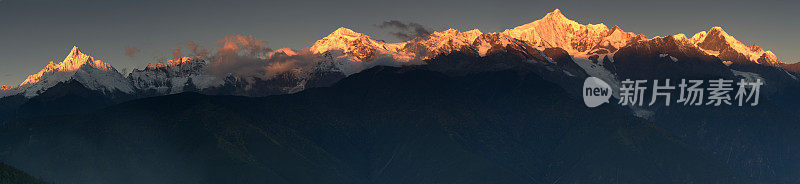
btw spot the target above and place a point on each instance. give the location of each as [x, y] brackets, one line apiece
[240, 55]
[196, 49]
[193, 47]
[176, 53]
[405, 31]
[130, 51]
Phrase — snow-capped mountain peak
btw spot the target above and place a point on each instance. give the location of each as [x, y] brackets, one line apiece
[345, 32]
[556, 30]
[719, 43]
[557, 16]
[93, 74]
[74, 61]
[341, 39]
[359, 46]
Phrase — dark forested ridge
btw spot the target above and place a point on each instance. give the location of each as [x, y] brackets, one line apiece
[11, 175]
[383, 125]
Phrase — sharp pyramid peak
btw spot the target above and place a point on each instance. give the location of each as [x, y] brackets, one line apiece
[717, 35]
[717, 29]
[556, 15]
[556, 12]
[75, 50]
[76, 56]
[74, 61]
[343, 31]
[555, 18]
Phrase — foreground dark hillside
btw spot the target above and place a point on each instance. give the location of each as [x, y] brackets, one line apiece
[383, 125]
[11, 175]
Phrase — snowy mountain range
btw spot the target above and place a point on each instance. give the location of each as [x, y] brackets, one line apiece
[173, 76]
[553, 30]
[592, 47]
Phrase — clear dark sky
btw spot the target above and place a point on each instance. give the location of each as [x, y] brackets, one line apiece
[34, 32]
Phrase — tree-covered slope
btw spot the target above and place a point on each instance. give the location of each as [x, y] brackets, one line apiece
[383, 125]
